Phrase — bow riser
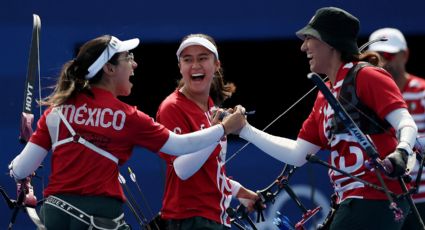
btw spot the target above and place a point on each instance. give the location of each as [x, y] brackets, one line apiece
[362, 139]
[25, 191]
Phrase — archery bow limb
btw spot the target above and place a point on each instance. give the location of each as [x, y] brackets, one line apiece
[267, 195]
[27, 117]
[26, 198]
[30, 202]
[16, 206]
[411, 203]
[362, 139]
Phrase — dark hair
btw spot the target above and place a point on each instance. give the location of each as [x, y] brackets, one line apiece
[72, 79]
[367, 56]
[220, 90]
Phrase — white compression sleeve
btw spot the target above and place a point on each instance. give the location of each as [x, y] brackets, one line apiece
[188, 164]
[27, 161]
[407, 132]
[236, 186]
[405, 126]
[191, 142]
[283, 149]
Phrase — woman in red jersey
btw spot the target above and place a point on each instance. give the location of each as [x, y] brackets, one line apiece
[91, 133]
[197, 190]
[330, 42]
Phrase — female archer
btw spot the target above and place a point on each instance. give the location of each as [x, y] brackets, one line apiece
[91, 133]
[330, 42]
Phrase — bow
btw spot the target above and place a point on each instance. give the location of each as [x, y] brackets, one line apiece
[269, 194]
[26, 200]
[27, 117]
[362, 139]
[25, 193]
[282, 181]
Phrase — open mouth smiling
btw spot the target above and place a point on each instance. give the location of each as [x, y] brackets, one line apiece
[198, 76]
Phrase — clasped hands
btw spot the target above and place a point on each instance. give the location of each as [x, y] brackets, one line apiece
[233, 119]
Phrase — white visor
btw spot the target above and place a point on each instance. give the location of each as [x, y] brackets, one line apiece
[200, 41]
[114, 46]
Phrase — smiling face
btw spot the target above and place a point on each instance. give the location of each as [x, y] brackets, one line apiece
[319, 53]
[123, 70]
[197, 66]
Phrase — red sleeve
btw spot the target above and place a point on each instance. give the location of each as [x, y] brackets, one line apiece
[41, 135]
[378, 91]
[148, 133]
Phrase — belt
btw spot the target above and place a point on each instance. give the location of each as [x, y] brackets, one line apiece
[93, 221]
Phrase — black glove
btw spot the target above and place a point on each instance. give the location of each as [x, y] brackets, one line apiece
[396, 163]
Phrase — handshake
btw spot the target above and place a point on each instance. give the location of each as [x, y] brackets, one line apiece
[225, 113]
[233, 120]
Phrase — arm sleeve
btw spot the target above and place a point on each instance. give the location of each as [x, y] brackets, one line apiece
[190, 142]
[183, 139]
[187, 165]
[405, 127]
[283, 149]
[27, 161]
[236, 186]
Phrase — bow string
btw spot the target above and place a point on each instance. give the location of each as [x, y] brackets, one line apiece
[269, 194]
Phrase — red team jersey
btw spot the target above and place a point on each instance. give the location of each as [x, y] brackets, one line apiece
[345, 153]
[107, 123]
[414, 95]
[208, 192]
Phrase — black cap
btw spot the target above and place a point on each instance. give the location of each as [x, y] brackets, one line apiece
[336, 27]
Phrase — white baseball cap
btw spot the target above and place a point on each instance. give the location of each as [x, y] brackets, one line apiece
[115, 46]
[197, 40]
[395, 43]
